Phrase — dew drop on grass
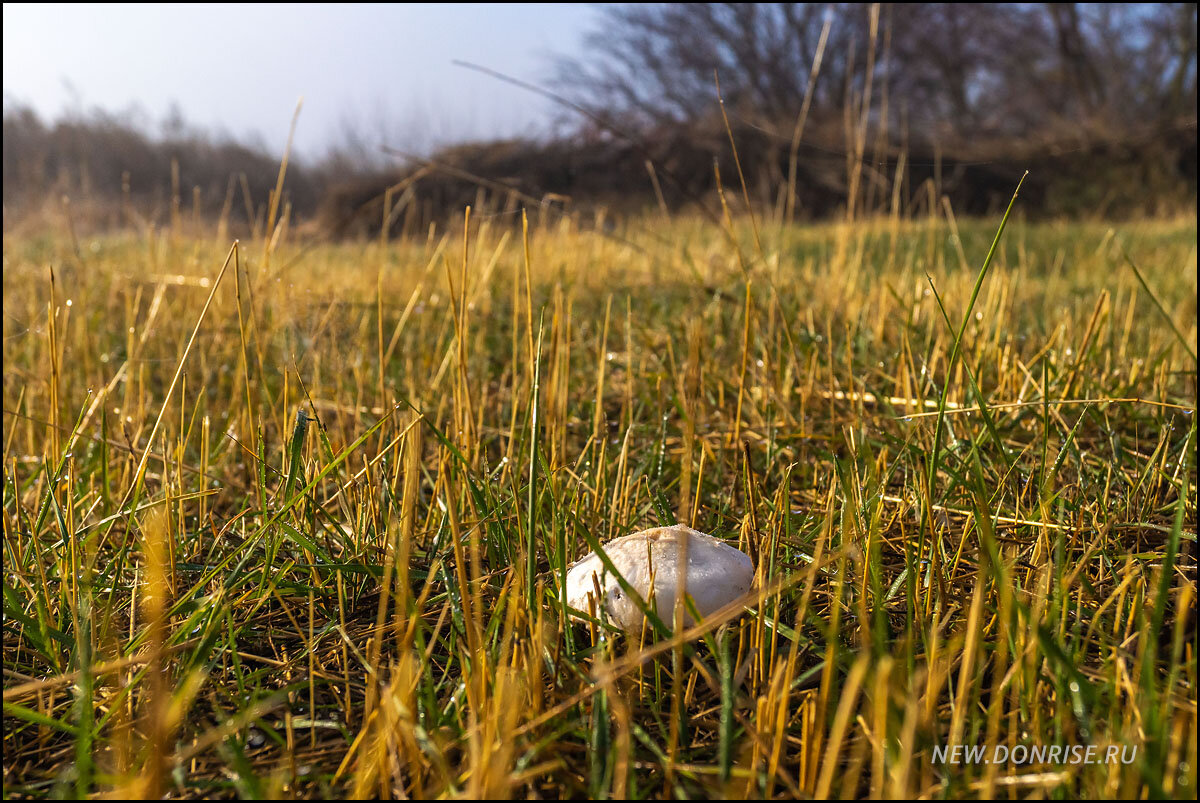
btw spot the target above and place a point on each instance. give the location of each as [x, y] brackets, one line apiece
[255, 738]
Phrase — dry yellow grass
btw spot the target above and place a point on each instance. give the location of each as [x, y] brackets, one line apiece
[319, 550]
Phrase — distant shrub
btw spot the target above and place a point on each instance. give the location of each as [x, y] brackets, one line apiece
[107, 165]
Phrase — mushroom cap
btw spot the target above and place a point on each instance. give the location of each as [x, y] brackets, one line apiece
[717, 574]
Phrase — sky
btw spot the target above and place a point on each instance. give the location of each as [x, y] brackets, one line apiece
[382, 71]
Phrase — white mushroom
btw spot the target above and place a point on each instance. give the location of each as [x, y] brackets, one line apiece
[717, 574]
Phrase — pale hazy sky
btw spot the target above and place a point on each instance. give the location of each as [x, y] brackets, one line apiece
[241, 68]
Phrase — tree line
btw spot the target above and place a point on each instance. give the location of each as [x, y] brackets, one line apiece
[830, 106]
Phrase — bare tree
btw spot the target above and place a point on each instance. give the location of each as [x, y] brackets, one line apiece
[957, 73]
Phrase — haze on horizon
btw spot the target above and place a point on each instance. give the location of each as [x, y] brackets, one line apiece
[383, 72]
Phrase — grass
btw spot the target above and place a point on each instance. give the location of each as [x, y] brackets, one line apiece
[310, 540]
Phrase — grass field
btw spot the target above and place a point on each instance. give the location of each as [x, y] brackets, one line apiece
[309, 539]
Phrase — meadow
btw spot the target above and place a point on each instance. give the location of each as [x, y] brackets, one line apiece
[285, 517]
